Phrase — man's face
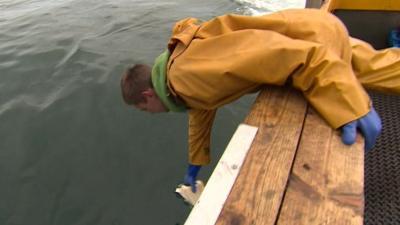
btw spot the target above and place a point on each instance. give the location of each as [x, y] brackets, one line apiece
[152, 104]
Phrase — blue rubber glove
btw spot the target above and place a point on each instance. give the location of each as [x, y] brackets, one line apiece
[191, 175]
[394, 38]
[370, 126]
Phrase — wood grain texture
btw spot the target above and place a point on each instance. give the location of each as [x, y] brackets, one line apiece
[209, 206]
[326, 184]
[259, 188]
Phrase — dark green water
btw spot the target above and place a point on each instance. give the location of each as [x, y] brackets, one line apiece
[71, 153]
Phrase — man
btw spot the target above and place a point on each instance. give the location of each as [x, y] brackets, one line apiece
[213, 63]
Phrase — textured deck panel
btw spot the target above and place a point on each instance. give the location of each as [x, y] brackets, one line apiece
[382, 166]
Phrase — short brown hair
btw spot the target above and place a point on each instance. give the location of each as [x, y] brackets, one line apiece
[134, 81]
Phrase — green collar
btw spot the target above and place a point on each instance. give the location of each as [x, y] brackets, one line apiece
[159, 80]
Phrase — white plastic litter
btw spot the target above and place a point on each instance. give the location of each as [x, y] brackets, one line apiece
[186, 192]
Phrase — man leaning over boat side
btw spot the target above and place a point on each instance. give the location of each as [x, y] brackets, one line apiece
[212, 63]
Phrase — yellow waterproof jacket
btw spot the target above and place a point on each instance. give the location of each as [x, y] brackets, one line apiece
[215, 62]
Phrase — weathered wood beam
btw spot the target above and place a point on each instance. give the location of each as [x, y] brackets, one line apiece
[260, 187]
[326, 183]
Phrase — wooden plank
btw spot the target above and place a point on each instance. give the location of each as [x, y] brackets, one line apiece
[258, 191]
[326, 185]
[209, 205]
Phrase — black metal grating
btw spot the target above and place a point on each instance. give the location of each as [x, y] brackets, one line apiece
[382, 166]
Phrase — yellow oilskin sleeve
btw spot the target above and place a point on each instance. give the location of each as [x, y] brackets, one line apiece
[200, 124]
[376, 69]
[331, 87]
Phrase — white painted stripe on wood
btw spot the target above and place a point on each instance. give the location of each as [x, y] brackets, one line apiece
[212, 200]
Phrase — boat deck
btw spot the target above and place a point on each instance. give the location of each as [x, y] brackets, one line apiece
[297, 171]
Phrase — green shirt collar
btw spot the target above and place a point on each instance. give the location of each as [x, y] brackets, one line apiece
[159, 80]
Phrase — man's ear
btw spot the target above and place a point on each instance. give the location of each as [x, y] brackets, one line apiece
[148, 92]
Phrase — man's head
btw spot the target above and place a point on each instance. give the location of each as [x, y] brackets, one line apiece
[137, 89]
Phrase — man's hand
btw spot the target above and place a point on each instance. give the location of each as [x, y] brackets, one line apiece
[191, 176]
[370, 126]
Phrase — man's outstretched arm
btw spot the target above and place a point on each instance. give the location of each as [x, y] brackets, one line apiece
[200, 124]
